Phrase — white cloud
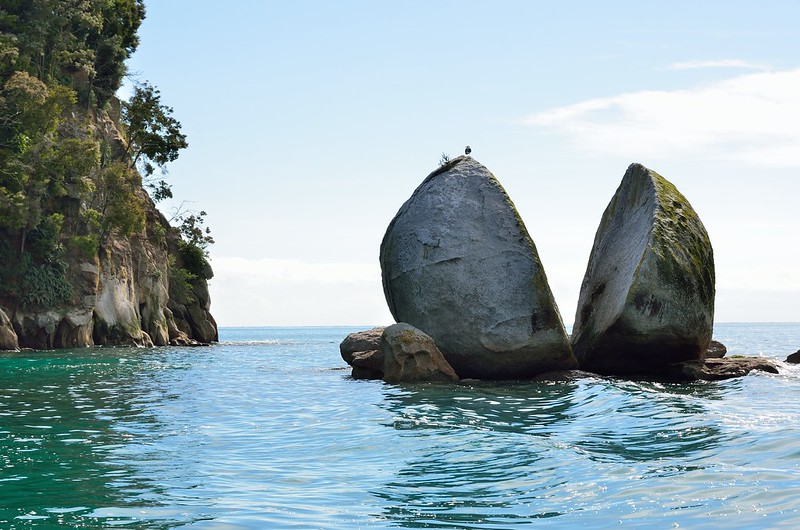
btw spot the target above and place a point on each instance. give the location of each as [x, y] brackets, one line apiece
[722, 63]
[290, 292]
[749, 118]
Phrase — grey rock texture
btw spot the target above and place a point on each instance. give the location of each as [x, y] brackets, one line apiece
[411, 356]
[647, 299]
[458, 263]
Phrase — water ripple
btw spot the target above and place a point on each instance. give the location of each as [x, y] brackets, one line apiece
[264, 432]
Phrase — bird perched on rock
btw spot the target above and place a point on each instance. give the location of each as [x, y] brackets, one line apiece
[467, 150]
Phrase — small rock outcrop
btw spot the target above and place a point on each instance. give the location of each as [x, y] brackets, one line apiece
[8, 337]
[361, 350]
[457, 263]
[647, 299]
[723, 368]
[411, 356]
[794, 357]
[716, 350]
[361, 341]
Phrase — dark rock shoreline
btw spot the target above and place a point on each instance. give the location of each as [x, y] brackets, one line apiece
[365, 352]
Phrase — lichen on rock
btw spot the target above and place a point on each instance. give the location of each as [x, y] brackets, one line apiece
[647, 299]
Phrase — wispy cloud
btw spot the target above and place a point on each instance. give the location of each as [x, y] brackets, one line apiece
[749, 118]
[721, 63]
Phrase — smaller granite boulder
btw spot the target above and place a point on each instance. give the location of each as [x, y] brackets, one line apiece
[361, 341]
[8, 338]
[794, 358]
[411, 356]
[716, 350]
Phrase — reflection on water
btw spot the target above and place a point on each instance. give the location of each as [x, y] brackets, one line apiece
[499, 455]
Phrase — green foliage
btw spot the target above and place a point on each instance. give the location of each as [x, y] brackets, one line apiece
[117, 41]
[83, 43]
[194, 259]
[45, 285]
[154, 136]
[160, 190]
[116, 204]
[180, 284]
[55, 55]
[85, 246]
[9, 267]
[158, 232]
[32, 159]
[194, 232]
[44, 240]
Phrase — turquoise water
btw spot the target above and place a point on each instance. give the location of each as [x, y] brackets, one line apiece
[266, 430]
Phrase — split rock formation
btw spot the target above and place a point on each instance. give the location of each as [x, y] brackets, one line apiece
[647, 299]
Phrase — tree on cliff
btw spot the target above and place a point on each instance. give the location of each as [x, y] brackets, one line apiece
[154, 136]
[82, 43]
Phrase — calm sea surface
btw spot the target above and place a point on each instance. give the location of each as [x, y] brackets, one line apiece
[267, 430]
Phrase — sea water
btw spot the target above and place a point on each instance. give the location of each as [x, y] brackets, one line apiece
[267, 430]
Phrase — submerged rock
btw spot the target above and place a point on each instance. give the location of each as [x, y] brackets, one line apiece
[647, 299]
[458, 264]
[412, 356]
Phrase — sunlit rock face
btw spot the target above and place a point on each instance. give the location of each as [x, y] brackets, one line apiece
[8, 337]
[410, 356]
[458, 264]
[647, 299]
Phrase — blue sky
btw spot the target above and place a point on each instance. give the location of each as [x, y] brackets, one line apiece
[311, 122]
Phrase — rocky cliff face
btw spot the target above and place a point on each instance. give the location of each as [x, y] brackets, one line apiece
[131, 291]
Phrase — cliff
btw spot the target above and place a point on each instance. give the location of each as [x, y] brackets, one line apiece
[146, 288]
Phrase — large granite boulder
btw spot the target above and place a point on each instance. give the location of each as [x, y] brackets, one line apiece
[647, 299]
[458, 263]
[411, 356]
